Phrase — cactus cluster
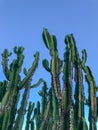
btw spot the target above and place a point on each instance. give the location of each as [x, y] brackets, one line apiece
[62, 106]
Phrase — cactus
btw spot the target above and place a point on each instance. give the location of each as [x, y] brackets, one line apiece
[70, 113]
[67, 102]
[56, 63]
[10, 89]
[27, 82]
[5, 59]
[62, 104]
[43, 94]
[92, 100]
[44, 123]
[30, 110]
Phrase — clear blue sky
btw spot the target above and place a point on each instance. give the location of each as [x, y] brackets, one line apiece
[22, 23]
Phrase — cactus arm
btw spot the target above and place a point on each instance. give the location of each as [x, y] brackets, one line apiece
[5, 59]
[20, 56]
[46, 65]
[84, 57]
[47, 38]
[38, 83]
[31, 71]
[30, 109]
[70, 43]
[50, 41]
[91, 97]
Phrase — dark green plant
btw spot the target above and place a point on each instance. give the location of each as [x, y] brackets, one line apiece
[62, 103]
[10, 90]
[92, 100]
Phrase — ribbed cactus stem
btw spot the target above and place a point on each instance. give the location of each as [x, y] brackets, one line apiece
[55, 104]
[91, 98]
[84, 57]
[14, 77]
[56, 63]
[21, 112]
[5, 59]
[30, 110]
[43, 93]
[59, 109]
[27, 84]
[13, 109]
[45, 121]
[66, 115]
[3, 88]
[31, 71]
[79, 95]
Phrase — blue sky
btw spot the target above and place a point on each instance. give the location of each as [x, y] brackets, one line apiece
[22, 23]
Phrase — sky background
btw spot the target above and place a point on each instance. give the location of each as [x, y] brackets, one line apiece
[22, 23]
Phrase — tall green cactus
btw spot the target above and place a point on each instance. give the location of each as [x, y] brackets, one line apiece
[10, 92]
[92, 102]
[68, 110]
[30, 110]
[56, 63]
[67, 101]
[62, 104]
[27, 84]
[44, 95]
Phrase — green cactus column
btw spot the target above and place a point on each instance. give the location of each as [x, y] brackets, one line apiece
[92, 102]
[56, 63]
[67, 116]
[30, 110]
[55, 70]
[79, 96]
[13, 77]
[37, 116]
[26, 82]
[79, 93]
[43, 93]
